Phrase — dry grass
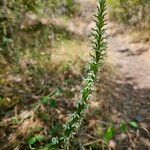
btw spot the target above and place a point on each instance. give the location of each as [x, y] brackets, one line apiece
[70, 52]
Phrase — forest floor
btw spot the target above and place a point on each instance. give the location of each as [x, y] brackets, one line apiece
[121, 95]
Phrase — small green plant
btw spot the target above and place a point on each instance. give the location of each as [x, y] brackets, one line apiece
[123, 127]
[35, 139]
[47, 100]
[113, 131]
[109, 134]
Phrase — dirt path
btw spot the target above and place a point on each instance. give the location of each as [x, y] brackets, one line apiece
[131, 59]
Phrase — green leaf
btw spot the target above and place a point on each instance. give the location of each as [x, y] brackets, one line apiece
[53, 103]
[123, 127]
[35, 139]
[7, 40]
[56, 129]
[46, 99]
[133, 124]
[59, 91]
[109, 134]
[32, 140]
[39, 138]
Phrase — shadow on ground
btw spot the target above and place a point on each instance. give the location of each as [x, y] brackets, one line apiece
[116, 101]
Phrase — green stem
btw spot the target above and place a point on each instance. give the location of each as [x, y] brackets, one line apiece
[99, 47]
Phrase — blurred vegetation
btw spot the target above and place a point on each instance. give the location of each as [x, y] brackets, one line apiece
[18, 19]
[131, 12]
[27, 44]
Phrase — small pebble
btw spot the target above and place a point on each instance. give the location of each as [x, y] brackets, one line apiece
[139, 118]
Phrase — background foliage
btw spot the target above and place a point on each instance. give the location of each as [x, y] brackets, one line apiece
[15, 28]
[131, 12]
